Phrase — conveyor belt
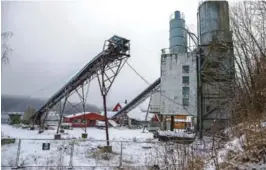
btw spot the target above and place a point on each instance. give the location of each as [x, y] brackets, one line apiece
[116, 48]
[140, 98]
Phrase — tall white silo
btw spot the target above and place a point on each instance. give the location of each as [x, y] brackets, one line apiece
[178, 33]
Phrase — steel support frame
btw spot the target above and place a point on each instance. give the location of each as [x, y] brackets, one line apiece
[114, 48]
[82, 97]
[106, 81]
[202, 61]
[147, 113]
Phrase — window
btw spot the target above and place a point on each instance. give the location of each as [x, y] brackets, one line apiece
[185, 101]
[185, 69]
[185, 79]
[185, 90]
[76, 121]
[83, 121]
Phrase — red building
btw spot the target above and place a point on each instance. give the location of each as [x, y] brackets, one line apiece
[118, 107]
[83, 120]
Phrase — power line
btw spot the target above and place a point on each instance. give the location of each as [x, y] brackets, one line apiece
[138, 74]
[161, 94]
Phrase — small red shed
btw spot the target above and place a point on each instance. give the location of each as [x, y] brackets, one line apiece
[83, 120]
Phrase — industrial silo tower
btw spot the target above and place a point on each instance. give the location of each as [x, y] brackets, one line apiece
[217, 66]
[178, 76]
[178, 33]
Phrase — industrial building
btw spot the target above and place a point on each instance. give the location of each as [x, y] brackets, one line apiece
[178, 75]
[194, 81]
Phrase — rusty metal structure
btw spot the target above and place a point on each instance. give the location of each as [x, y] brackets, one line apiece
[215, 65]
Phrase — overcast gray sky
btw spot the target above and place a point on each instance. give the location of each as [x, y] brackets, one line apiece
[53, 40]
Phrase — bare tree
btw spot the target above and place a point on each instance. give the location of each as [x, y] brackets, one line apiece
[248, 23]
[6, 50]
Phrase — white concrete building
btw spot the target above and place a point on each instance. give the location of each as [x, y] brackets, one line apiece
[178, 93]
[178, 84]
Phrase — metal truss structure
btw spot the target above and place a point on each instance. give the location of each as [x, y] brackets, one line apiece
[215, 80]
[105, 67]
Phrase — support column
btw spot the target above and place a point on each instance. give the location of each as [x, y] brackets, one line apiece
[106, 120]
[172, 122]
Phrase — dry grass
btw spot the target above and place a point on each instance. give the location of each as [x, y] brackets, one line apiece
[195, 164]
[254, 147]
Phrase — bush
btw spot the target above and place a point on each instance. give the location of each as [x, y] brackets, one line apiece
[14, 119]
[7, 141]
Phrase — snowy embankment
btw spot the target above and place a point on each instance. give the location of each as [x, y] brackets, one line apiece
[138, 150]
[246, 148]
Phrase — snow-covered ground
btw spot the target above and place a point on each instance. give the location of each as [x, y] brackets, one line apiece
[139, 149]
[116, 134]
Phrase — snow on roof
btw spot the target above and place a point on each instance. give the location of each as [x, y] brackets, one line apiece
[109, 113]
[76, 114]
[139, 115]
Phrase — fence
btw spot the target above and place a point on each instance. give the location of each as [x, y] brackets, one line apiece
[86, 154]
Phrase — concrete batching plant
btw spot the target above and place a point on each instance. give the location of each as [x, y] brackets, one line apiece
[194, 82]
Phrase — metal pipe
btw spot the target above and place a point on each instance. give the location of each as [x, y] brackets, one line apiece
[61, 114]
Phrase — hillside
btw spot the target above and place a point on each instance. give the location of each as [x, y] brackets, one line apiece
[20, 104]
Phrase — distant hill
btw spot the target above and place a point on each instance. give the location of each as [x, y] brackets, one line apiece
[20, 104]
